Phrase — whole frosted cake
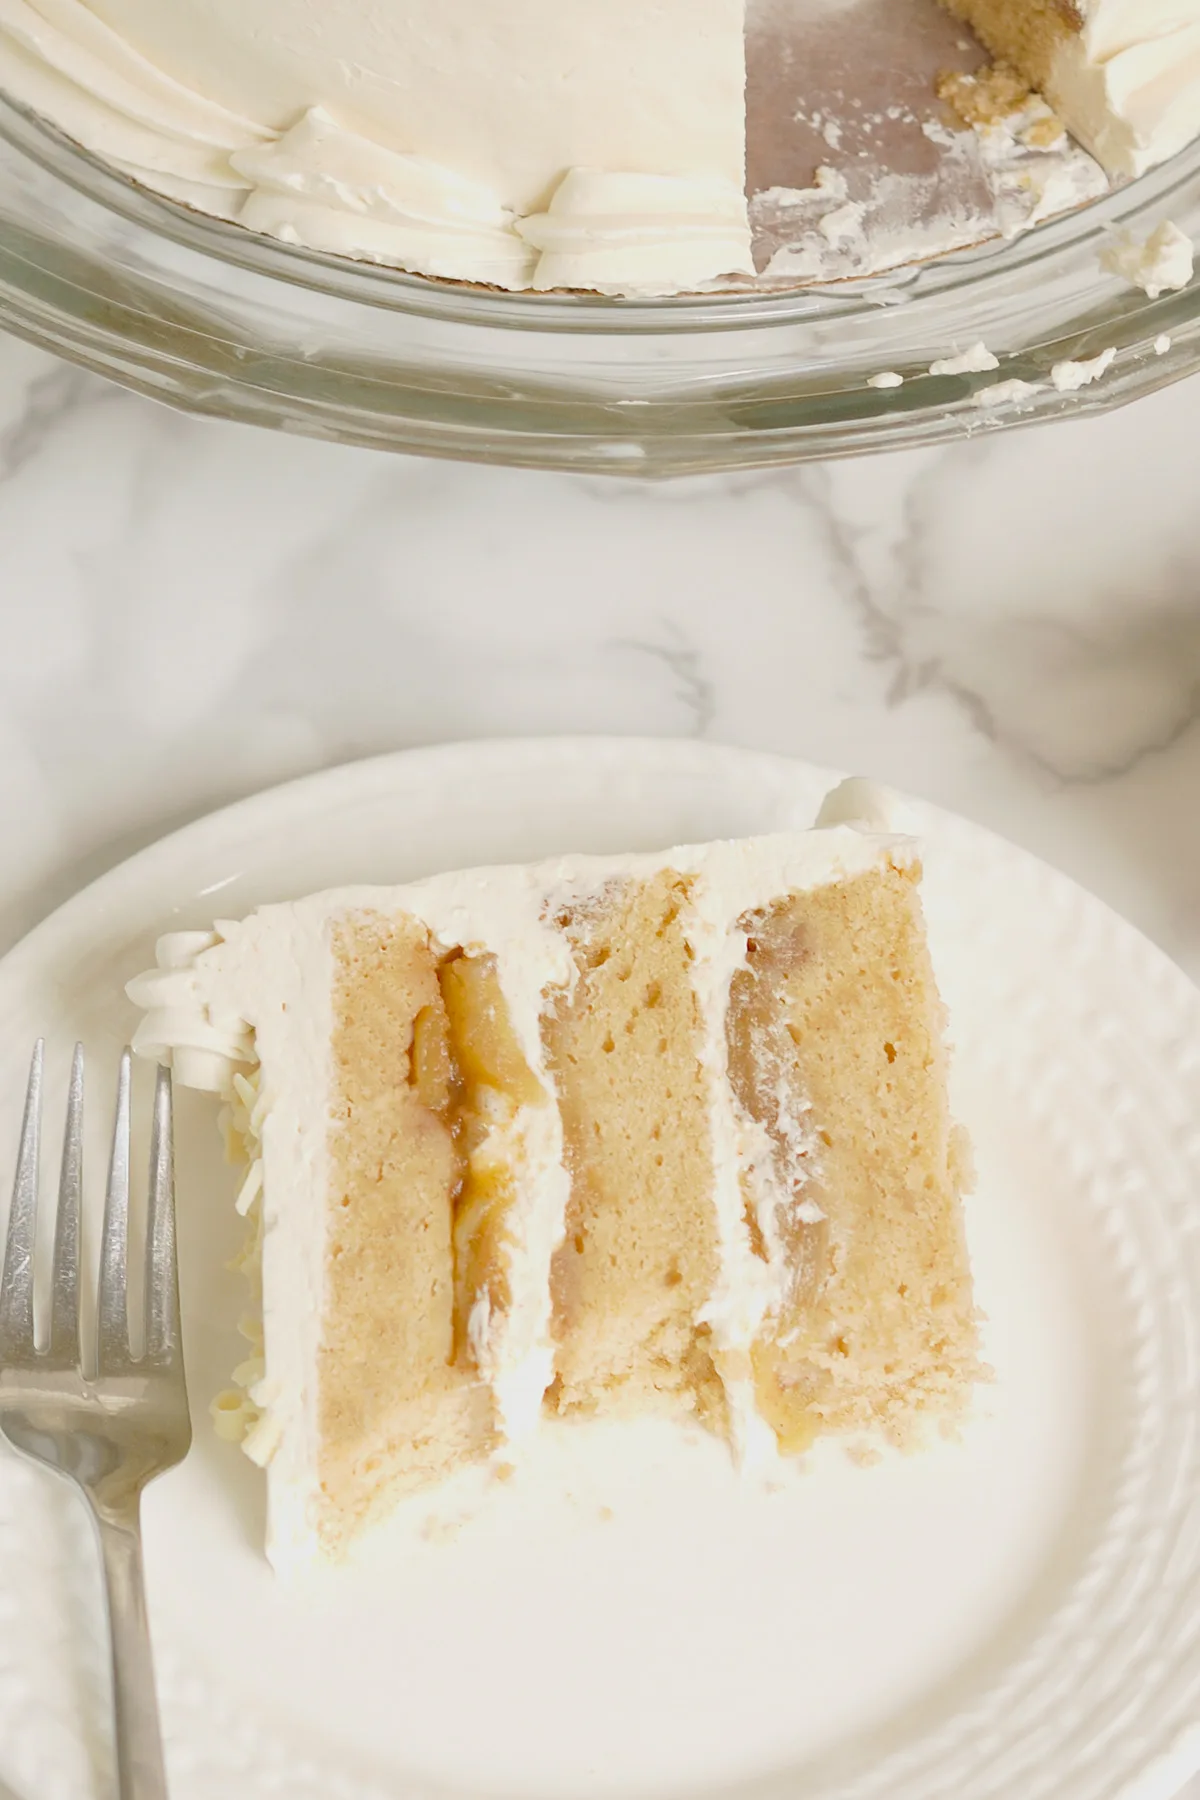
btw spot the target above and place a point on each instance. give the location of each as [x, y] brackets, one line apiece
[659, 1133]
[527, 144]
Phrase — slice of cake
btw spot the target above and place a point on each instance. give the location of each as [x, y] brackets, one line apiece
[605, 1135]
[1124, 77]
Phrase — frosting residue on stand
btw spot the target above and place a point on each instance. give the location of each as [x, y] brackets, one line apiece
[1069, 377]
[992, 181]
[1158, 264]
[1006, 393]
[978, 360]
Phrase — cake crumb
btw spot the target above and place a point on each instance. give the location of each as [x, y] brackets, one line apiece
[1045, 131]
[1162, 345]
[887, 378]
[997, 103]
[986, 97]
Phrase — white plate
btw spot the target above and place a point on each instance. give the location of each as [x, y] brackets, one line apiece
[1012, 1617]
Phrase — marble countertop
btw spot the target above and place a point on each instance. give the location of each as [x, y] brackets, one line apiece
[192, 611]
[1010, 627]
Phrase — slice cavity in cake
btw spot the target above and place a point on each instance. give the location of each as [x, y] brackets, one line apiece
[1124, 75]
[604, 1136]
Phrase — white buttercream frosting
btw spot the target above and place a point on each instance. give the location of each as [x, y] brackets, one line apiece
[866, 805]
[1006, 393]
[1128, 82]
[1159, 264]
[182, 1025]
[644, 234]
[58, 57]
[260, 991]
[978, 360]
[334, 190]
[419, 135]
[1069, 377]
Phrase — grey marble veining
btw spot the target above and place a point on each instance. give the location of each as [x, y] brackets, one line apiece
[192, 610]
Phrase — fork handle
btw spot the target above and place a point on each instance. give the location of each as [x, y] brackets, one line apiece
[140, 1771]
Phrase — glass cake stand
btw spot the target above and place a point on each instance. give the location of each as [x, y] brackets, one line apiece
[215, 320]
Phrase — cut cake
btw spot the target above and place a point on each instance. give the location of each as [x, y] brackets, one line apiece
[535, 144]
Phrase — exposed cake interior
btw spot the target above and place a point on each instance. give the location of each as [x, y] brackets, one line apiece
[428, 1080]
[606, 1136]
[396, 1408]
[638, 1257]
[1124, 78]
[1025, 33]
[835, 1051]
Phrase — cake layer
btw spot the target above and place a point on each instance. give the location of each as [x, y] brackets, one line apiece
[835, 1048]
[662, 1133]
[397, 1406]
[637, 1262]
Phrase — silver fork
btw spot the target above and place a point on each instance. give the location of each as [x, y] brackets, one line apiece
[113, 1431]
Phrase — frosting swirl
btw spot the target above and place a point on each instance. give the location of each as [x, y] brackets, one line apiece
[334, 190]
[179, 1026]
[645, 234]
[298, 172]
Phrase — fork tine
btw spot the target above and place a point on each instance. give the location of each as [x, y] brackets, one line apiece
[64, 1301]
[16, 1282]
[112, 1312]
[162, 1275]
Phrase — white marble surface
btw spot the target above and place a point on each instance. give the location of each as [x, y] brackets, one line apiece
[192, 611]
